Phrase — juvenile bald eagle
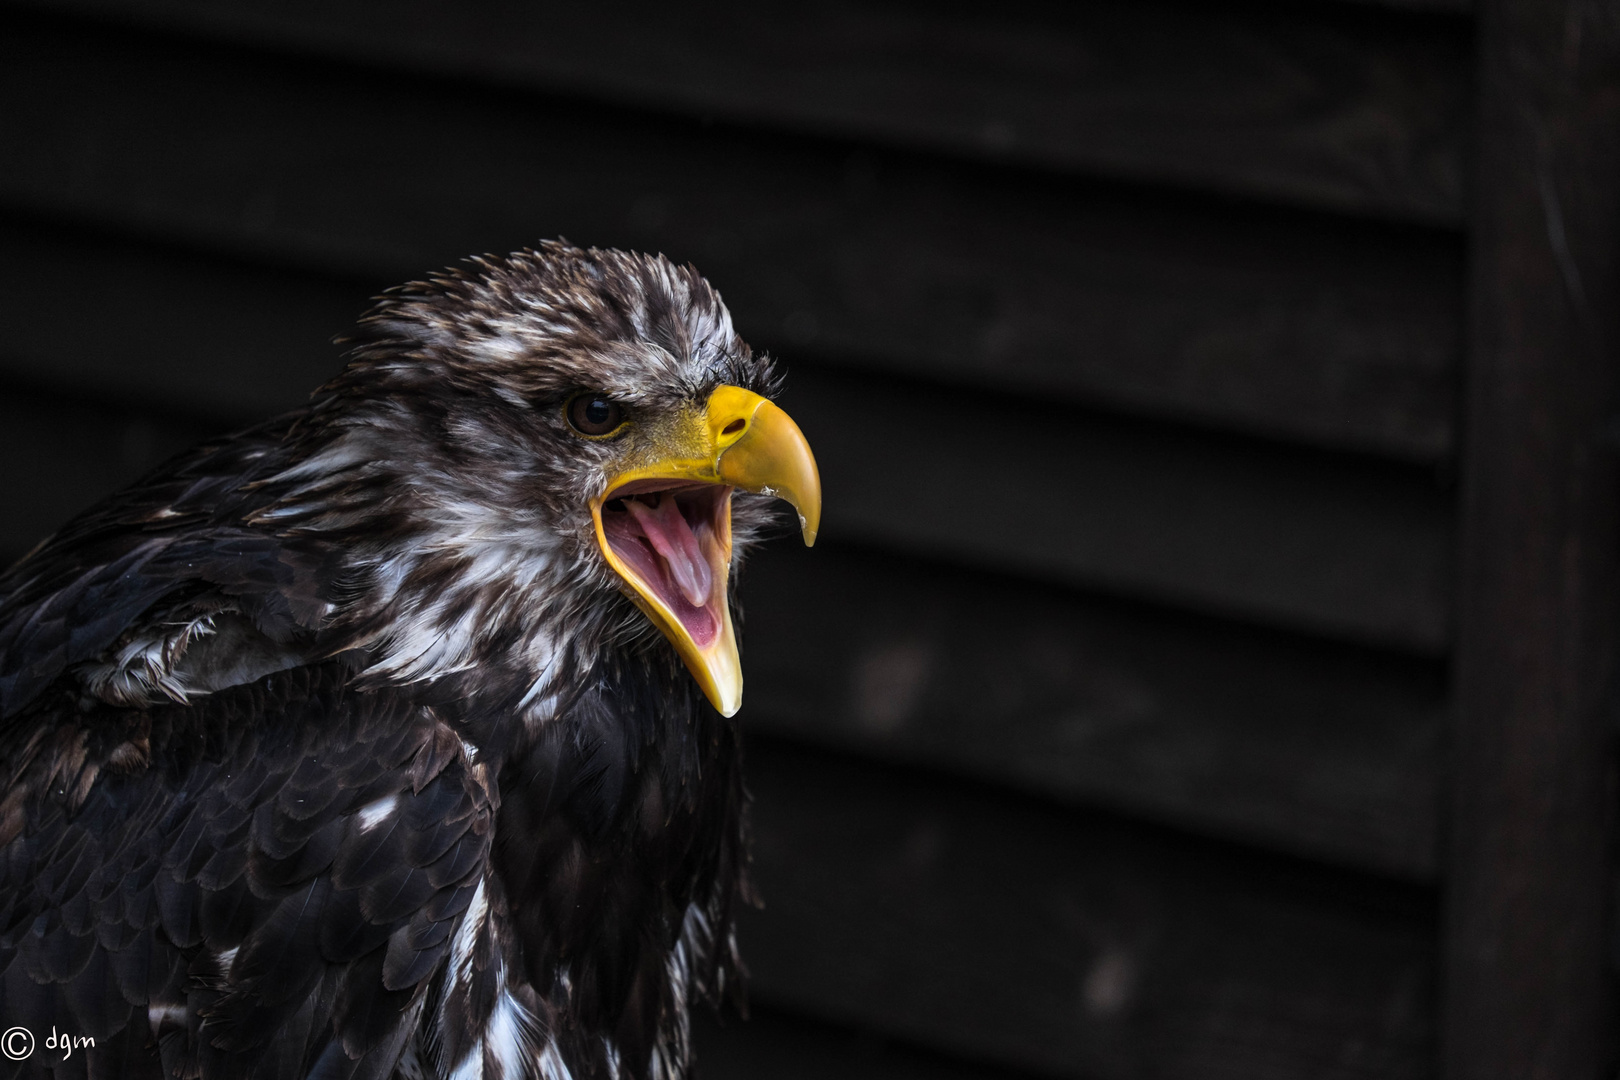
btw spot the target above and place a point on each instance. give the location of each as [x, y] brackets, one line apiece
[377, 740]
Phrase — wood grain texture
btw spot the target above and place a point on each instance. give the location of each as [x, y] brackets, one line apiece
[87, 313]
[782, 1046]
[1457, 6]
[1529, 936]
[1334, 545]
[1287, 324]
[1322, 106]
[1327, 752]
[1073, 945]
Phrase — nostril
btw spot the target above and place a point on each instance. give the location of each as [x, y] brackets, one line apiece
[734, 427]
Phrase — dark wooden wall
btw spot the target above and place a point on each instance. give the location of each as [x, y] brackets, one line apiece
[1160, 702]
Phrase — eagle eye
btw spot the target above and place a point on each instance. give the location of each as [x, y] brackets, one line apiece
[595, 415]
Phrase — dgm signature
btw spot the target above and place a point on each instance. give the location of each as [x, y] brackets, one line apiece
[18, 1043]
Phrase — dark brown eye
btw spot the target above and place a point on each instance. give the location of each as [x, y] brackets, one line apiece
[595, 414]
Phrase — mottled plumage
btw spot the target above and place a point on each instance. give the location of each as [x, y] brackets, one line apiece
[334, 748]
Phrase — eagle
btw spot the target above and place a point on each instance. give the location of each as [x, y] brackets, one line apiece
[396, 736]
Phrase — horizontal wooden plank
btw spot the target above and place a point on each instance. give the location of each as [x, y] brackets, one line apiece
[166, 328]
[783, 1046]
[1073, 945]
[58, 455]
[1325, 751]
[1334, 545]
[1295, 325]
[1329, 544]
[1299, 102]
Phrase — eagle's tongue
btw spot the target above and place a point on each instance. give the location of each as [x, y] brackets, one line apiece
[666, 527]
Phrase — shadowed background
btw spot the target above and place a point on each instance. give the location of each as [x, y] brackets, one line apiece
[1105, 734]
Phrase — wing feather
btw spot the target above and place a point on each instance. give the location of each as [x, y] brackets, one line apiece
[177, 535]
[274, 891]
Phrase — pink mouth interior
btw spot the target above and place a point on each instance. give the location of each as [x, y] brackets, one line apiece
[671, 539]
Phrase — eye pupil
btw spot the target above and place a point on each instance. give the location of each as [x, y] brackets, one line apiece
[595, 414]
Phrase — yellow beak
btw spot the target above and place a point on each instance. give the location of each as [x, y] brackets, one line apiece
[740, 440]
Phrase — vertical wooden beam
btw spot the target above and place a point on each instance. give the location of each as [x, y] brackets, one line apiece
[1526, 985]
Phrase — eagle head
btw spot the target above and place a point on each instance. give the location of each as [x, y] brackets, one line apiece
[567, 443]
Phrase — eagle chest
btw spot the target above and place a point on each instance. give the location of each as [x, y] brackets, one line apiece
[619, 836]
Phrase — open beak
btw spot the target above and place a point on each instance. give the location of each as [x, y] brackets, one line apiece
[664, 524]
